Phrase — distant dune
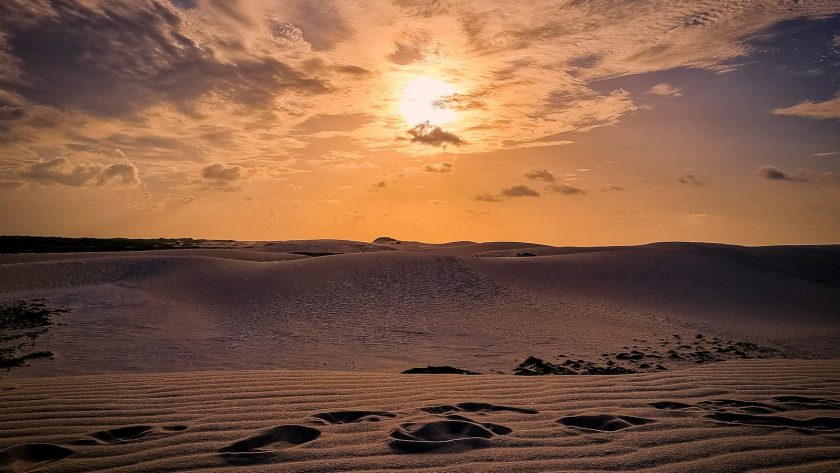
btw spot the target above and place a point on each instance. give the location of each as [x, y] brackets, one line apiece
[394, 305]
[260, 356]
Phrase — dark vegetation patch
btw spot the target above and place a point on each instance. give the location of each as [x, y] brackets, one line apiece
[643, 357]
[21, 323]
[39, 244]
[533, 366]
[438, 370]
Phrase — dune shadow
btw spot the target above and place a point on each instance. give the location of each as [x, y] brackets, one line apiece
[603, 422]
[251, 450]
[452, 435]
[477, 407]
[816, 423]
[31, 455]
[349, 417]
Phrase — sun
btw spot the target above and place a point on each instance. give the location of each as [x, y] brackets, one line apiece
[421, 102]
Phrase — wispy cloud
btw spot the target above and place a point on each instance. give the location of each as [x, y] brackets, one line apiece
[825, 110]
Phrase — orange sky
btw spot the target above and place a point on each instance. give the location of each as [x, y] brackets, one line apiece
[556, 121]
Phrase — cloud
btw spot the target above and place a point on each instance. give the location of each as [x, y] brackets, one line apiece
[11, 184]
[220, 177]
[439, 167]
[774, 174]
[693, 180]
[60, 170]
[520, 191]
[827, 110]
[406, 54]
[118, 58]
[613, 189]
[825, 154]
[342, 122]
[540, 174]
[429, 134]
[121, 173]
[379, 185]
[771, 172]
[487, 198]
[665, 90]
[222, 172]
[564, 189]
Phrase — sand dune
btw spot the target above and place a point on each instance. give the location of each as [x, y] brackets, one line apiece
[394, 309]
[284, 356]
[751, 415]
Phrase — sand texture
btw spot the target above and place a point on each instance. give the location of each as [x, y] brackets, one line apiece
[751, 415]
[288, 356]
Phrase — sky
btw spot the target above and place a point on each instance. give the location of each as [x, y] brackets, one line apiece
[563, 122]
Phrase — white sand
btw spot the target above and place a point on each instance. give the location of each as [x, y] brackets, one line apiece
[168, 342]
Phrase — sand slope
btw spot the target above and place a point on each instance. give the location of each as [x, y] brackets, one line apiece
[389, 307]
[757, 415]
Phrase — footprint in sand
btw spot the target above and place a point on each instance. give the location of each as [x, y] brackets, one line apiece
[745, 406]
[253, 449]
[802, 402]
[671, 405]
[124, 434]
[31, 455]
[457, 433]
[751, 412]
[603, 422]
[477, 407]
[349, 417]
[816, 423]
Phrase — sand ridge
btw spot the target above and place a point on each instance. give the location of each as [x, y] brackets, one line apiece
[753, 415]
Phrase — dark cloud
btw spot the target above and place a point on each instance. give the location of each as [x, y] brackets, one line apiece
[520, 191]
[439, 167]
[428, 134]
[185, 4]
[125, 56]
[771, 172]
[541, 174]
[586, 61]
[774, 174]
[693, 180]
[487, 198]
[222, 172]
[379, 185]
[564, 189]
[60, 170]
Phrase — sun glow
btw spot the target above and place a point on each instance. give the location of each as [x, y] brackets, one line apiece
[421, 102]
